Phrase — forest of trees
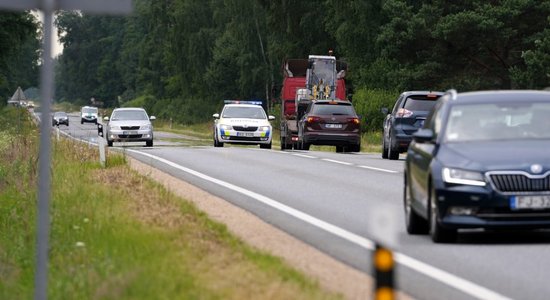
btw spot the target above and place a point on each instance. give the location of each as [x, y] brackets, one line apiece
[180, 58]
[19, 52]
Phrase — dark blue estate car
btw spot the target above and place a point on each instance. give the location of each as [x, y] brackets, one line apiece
[482, 160]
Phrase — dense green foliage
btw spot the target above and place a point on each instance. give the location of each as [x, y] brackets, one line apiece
[19, 53]
[182, 57]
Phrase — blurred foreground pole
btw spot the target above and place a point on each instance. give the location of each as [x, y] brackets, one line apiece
[48, 7]
[383, 273]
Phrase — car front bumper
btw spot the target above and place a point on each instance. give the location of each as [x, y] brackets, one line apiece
[244, 137]
[130, 135]
[488, 209]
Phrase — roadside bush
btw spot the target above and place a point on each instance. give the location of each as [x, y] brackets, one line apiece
[368, 102]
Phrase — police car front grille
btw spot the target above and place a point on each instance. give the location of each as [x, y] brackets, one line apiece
[242, 128]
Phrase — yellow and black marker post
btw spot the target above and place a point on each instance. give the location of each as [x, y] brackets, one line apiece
[383, 273]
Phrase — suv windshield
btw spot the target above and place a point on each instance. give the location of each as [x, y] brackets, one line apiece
[129, 115]
[420, 103]
[332, 109]
[89, 110]
[244, 112]
[489, 122]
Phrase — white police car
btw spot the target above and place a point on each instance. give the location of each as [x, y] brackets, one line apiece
[243, 122]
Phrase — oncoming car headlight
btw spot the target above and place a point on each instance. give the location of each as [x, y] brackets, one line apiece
[114, 127]
[225, 127]
[264, 128]
[146, 127]
[459, 176]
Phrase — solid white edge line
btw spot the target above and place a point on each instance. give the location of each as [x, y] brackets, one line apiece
[463, 285]
[337, 161]
[378, 169]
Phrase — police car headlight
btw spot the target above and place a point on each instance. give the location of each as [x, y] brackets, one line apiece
[225, 127]
[264, 128]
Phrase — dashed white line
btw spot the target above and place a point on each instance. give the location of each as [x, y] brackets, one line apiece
[304, 155]
[463, 285]
[337, 162]
[378, 169]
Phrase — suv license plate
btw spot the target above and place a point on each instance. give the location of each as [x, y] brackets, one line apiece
[530, 202]
[333, 125]
[246, 134]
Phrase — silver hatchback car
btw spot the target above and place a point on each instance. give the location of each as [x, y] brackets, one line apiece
[131, 124]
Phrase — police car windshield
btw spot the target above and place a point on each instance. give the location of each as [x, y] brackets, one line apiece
[246, 112]
[129, 115]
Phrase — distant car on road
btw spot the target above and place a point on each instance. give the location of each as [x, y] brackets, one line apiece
[88, 114]
[130, 124]
[59, 118]
[407, 116]
[481, 161]
[243, 122]
[332, 123]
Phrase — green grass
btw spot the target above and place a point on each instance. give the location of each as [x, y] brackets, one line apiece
[117, 235]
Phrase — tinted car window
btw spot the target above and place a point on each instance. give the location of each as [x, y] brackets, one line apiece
[419, 103]
[89, 110]
[332, 109]
[486, 122]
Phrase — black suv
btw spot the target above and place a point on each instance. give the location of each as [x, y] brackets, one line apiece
[332, 123]
[408, 115]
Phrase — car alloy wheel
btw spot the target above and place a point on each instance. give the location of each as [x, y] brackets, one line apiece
[437, 232]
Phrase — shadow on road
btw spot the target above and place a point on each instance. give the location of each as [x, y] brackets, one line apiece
[498, 237]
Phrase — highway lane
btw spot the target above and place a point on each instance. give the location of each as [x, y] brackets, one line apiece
[343, 190]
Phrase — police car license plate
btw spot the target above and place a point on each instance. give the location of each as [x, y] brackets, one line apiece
[530, 202]
[333, 125]
[246, 134]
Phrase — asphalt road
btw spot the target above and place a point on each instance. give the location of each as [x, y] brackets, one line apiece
[340, 203]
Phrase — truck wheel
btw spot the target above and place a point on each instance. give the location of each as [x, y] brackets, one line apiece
[305, 146]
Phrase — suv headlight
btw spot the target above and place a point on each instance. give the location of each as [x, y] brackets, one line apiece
[264, 128]
[226, 127]
[458, 176]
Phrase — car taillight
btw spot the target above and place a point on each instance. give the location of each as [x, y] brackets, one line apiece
[354, 120]
[313, 119]
[403, 113]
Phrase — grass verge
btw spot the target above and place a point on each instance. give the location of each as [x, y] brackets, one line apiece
[117, 235]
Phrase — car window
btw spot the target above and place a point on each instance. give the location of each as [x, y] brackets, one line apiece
[488, 122]
[89, 110]
[60, 114]
[397, 105]
[332, 109]
[129, 115]
[419, 103]
[244, 112]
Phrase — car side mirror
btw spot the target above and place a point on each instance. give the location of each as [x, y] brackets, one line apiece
[216, 116]
[423, 135]
[152, 118]
[106, 118]
[385, 110]
[271, 118]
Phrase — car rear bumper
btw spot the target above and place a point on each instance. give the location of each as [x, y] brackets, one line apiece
[332, 139]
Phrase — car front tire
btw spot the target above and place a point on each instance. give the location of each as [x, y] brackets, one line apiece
[149, 143]
[414, 223]
[438, 233]
[216, 143]
[109, 143]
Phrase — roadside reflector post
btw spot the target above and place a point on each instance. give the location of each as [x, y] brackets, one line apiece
[384, 265]
[57, 133]
[383, 229]
[101, 145]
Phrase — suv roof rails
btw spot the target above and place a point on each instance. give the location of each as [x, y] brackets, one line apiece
[453, 93]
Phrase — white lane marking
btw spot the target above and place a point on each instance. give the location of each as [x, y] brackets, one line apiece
[337, 161]
[378, 169]
[463, 285]
[304, 155]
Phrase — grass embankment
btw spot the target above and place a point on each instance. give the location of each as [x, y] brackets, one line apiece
[117, 235]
